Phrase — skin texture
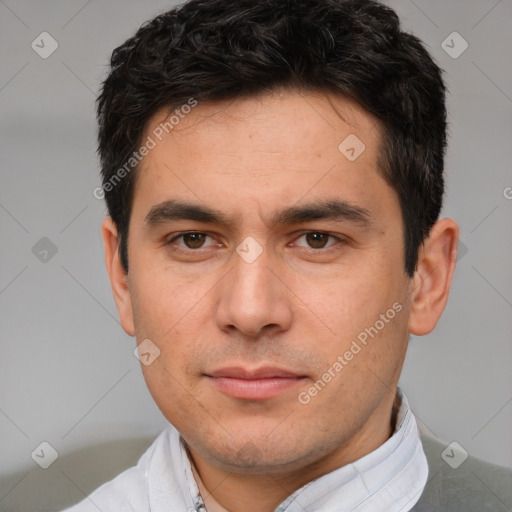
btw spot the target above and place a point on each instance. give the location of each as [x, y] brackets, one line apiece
[299, 305]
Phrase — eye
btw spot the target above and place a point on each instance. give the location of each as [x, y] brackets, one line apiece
[190, 240]
[317, 240]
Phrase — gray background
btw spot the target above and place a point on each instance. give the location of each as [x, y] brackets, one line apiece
[68, 374]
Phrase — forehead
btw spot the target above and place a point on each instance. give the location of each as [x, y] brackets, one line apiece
[277, 147]
[301, 114]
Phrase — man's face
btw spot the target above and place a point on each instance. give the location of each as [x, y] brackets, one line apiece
[254, 308]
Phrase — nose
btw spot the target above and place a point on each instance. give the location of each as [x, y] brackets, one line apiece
[252, 300]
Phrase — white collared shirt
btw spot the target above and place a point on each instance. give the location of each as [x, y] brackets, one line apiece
[390, 478]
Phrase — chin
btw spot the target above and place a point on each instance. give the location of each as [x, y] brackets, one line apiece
[253, 455]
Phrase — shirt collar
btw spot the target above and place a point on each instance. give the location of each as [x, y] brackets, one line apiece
[390, 478]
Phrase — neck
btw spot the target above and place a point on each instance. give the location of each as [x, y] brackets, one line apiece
[264, 492]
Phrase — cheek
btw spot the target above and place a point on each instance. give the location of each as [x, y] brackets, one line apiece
[165, 303]
[362, 315]
[348, 303]
[171, 311]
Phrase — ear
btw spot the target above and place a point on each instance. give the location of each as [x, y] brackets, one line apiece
[118, 277]
[433, 276]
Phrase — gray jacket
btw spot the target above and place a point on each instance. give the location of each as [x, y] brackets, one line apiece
[474, 486]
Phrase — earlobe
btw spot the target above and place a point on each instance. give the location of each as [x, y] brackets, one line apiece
[118, 277]
[433, 276]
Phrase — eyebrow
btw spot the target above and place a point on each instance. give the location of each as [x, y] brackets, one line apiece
[334, 210]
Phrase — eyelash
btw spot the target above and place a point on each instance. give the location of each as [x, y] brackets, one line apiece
[171, 241]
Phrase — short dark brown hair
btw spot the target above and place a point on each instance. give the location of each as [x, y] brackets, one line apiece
[221, 49]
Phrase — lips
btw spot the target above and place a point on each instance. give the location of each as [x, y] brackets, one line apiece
[238, 372]
[254, 384]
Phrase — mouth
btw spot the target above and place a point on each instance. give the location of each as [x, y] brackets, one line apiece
[254, 384]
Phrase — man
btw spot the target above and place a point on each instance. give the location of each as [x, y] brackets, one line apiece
[273, 172]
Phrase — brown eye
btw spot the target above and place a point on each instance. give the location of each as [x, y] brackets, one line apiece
[317, 240]
[194, 240]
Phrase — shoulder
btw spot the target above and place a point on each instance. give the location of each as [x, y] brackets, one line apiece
[125, 493]
[459, 482]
